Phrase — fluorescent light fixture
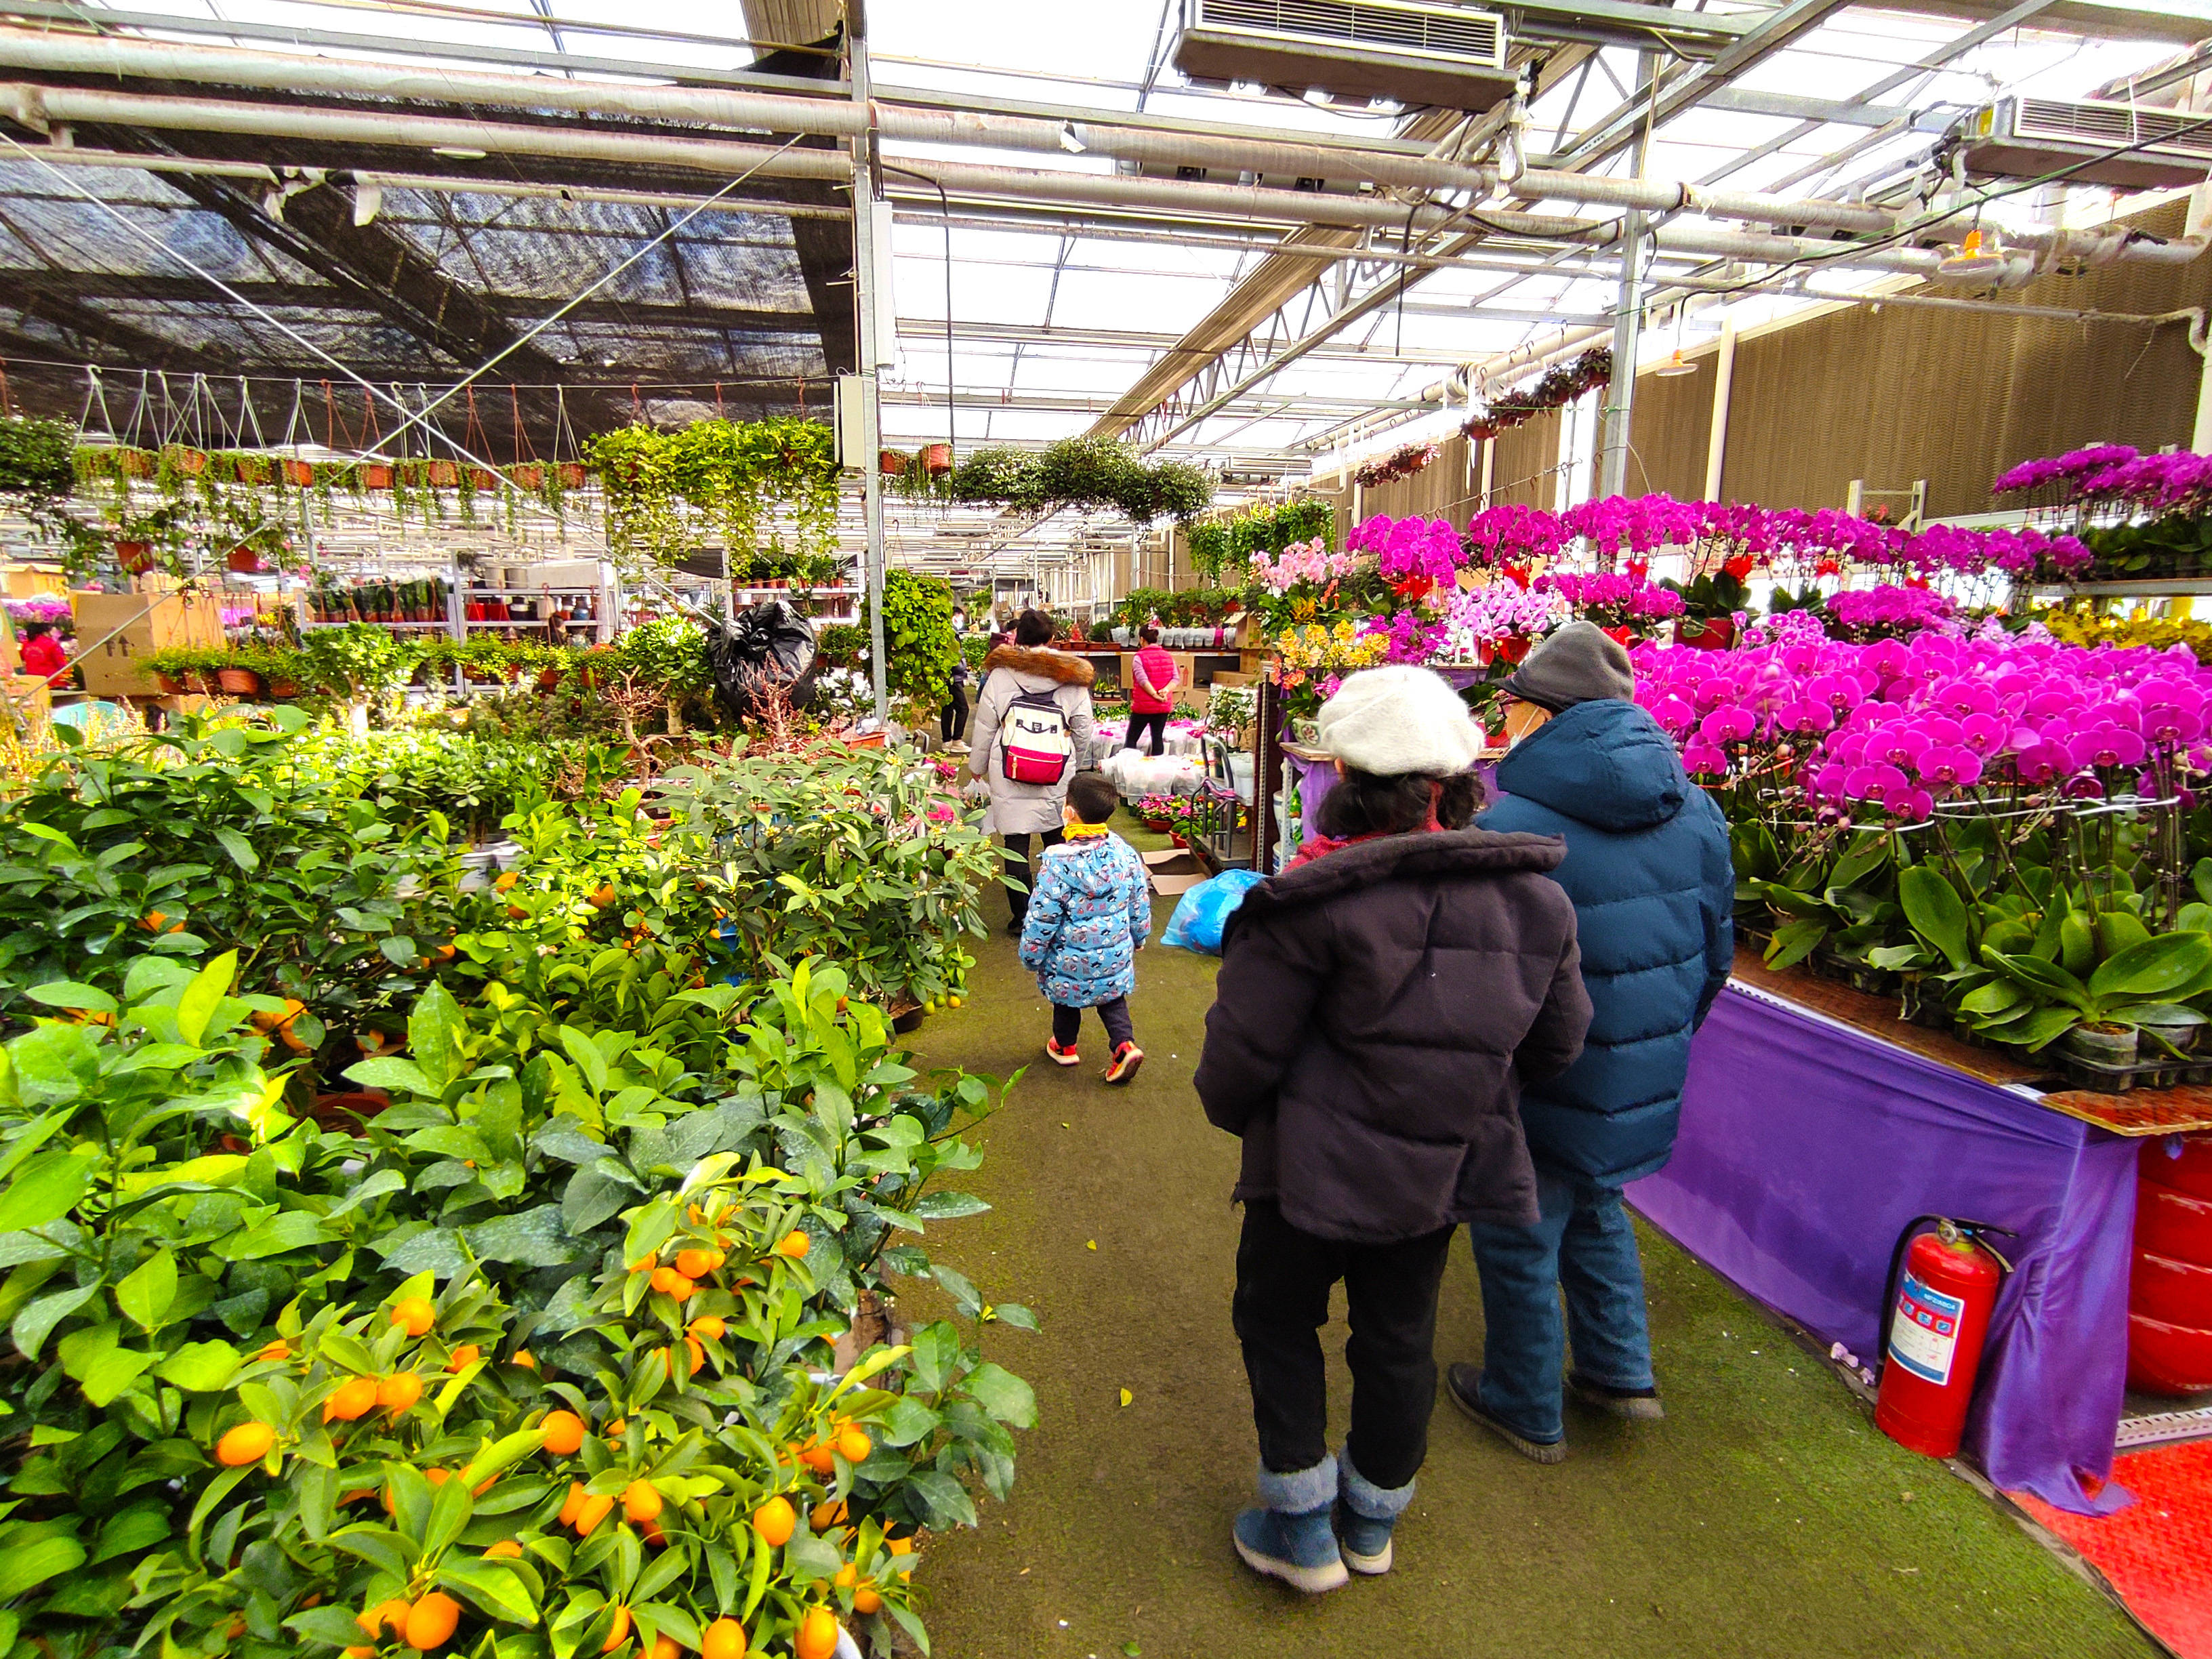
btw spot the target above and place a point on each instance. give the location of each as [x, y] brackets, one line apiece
[457, 153]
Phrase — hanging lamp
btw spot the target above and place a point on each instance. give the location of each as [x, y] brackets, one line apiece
[1978, 256]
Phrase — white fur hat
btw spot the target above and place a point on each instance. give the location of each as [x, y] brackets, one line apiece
[1391, 720]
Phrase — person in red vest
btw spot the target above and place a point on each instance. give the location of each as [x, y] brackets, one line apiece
[43, 654]
[1152, 697]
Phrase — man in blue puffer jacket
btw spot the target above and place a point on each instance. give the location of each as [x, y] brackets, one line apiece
[1648, 870]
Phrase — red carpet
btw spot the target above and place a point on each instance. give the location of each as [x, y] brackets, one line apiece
[2158, 1550]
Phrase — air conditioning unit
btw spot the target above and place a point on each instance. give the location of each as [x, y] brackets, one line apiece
[1437, 53]
[2126, 146]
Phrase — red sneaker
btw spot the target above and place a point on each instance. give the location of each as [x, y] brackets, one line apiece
[1126, 1059]
[1060, 1056]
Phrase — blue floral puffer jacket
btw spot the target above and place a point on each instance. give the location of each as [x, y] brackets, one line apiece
[1089, 917]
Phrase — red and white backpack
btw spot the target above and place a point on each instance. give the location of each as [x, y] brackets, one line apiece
[1034, 746]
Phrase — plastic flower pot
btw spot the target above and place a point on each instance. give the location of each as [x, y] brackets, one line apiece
[2167, 1359]
[250, 470]
[528, 476]
[2101, 1045]
[2178, 1292]
[2173, 1224]
[244, 560]
[376, 476]
[135, 557]
[237, 682]
[344, 1113]
[134, 463]
[284, 688]
[191, 461]
[549, 679]
[2190, 1173]
[444, 475]
[168, 685]
[572, 474]
[482, 478]
[1706, 633]
[299, 474]
[937, 459]
[890, 463]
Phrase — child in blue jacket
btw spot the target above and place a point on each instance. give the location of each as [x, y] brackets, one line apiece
[1088, 918]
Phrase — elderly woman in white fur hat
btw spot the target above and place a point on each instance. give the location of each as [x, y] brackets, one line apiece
[1378, 1006]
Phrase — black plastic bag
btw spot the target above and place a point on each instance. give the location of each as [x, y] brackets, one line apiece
[767, 645]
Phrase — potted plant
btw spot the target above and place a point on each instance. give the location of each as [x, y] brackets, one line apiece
[937, 459]
[300, 475]
[1709, 603]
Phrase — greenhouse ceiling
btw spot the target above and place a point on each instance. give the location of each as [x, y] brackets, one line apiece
[220, 216]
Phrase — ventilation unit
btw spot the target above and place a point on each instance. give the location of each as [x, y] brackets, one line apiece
[2125, 146]
[1437, 53]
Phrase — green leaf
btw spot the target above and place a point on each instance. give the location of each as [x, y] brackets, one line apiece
[1003, 1395]
[1936, 912]
[25, 1566]
[200, 1367]
[68, 993]
[2119, 931]
[112, 1373]
[2046, 981]
[140, 1527]
[496, 1592]
[944, 1499]
[430, 1031]
[586, 1056]
[53, 1065]
[534, 1238]
[449, 1515]
[2148, 969]
[36, 1322]
[391, 1073]
[399, 951]
[240, 849]
[47, 1189]
[146, 1292]
[949, 1207]
[196, 1004]
[1794, 941]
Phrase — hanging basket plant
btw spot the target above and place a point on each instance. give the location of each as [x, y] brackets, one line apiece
[1559, 386]
[1403, 462]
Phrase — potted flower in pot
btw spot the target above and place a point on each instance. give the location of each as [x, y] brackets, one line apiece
[2032, 1001]
[1710, 604]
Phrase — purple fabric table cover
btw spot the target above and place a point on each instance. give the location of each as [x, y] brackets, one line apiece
[1806, 1146]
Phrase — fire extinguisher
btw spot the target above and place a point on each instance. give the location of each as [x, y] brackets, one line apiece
[1939, 1309]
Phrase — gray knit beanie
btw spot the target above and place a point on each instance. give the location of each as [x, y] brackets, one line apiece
[1580, 663]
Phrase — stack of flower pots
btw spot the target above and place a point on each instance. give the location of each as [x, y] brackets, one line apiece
[2169, 1290]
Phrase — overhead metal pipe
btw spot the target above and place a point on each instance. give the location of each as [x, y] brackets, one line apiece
[1101, 136]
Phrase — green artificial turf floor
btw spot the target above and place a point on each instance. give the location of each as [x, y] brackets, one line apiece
[1765, 1516]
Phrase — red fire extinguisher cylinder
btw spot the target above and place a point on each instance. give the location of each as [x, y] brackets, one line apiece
[1938, 1321]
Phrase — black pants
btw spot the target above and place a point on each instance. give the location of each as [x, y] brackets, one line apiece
[1018, 900]
[1283, 1279]
[1067, 1024]
[1159, 723]
[952, 721]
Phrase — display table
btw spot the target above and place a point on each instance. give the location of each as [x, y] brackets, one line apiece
[1808, 1143]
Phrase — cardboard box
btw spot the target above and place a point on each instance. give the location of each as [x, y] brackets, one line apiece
[1173, 871]
[117, 632]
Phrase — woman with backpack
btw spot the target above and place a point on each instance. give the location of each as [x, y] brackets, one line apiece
[1030, 735]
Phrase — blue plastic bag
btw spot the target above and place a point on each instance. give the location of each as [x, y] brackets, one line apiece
[1203, 913]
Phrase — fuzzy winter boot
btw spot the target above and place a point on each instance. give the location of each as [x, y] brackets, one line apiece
[1365, 1515]
[1292, 1538]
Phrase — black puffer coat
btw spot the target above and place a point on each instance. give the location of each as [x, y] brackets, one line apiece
[1375, 1012]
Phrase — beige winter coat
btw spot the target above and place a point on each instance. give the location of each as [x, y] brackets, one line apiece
[1028, 808]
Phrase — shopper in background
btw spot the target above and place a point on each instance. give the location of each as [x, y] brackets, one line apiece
[952, 721]
[1152, 692]
[1089, 917]
[1040, 689]
[43, 654]
[1648, 870]
[1375, 1012]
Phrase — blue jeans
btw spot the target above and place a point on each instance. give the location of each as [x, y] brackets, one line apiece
[1584, 1242]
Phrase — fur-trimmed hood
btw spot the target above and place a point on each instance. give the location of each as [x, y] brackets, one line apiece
[1060, 667]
